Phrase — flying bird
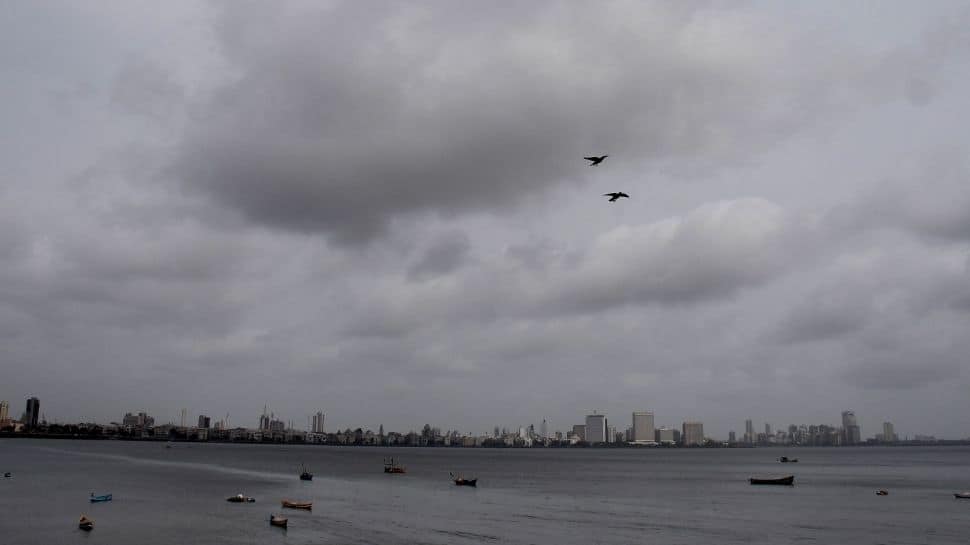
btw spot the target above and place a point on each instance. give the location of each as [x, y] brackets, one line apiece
[596, 160]
[614, 196]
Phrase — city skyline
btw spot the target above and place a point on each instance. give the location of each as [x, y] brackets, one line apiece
[384, 212]
[595, 428]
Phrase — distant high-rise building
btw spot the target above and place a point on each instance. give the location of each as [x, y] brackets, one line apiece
[317, 423]
[32, 413]
[693, 434]
[732, 438]
[596, 428]
[544, 429]
[748, 431]
[851, 432]
[265, 420]
[665, 436]
[204, 422]
[888, 432]
[579, 430]
[767, 429]
[643, 429]
[4, 412]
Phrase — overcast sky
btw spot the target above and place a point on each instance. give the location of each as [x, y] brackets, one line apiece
[382, 211]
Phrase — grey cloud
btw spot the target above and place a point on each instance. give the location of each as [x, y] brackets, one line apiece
[345, 117]
[445, 254]
[905, 370]
[146, 88]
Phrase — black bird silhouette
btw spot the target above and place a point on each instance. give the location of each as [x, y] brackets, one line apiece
[614, 196]
[596, 160]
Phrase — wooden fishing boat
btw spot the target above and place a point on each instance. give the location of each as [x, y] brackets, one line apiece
[85, 523]
[239, 498]
[390, 466]
[882, 492]
[103, 497]
[305, 474]
[962, 495]
[460, 481]
[277, 520]
[787, 460]
[788, 480]
[308, 505]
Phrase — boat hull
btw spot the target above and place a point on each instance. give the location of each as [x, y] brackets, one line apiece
[307, 506]
[278, 521]
[98, 499]
[85, 524]
[466, 482]
[963, 496]
[783, 481]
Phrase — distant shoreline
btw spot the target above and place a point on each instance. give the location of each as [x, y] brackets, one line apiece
[601, 446]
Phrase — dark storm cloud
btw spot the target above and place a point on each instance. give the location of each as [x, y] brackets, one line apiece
[905, 370]
[341, 118]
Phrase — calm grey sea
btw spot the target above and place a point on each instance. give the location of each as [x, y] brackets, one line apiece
[177, 495]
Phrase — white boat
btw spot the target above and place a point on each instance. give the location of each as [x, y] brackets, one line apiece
[962, 495]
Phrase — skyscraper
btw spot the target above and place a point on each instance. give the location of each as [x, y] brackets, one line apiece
[643, 428]
[317, 422]
[693, 435]
[748, 431]
[888, 432]
[596, 428]
[851, 432]
[4, 411]
[544, 429]
[579, 430]
[204, 422]
[33, 411]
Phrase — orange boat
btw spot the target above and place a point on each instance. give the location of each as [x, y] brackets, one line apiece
[297, 504]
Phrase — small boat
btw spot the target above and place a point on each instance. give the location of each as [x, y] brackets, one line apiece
[305, 475]
[789, 480]
[103, 497]
[962, 495]
[85, 523]
[308, 505]
[787, 460]
[882, 492]
[390, 466]
[239, 498]
[459, 481]
[7, 474]
[277, 520]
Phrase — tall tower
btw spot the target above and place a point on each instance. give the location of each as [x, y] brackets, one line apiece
[643, 429]
[544, 429]
[851, 432]
[748, 431]
[33, 412]
[596, 428]
[4, 411]
[318, 422]
[693, 434]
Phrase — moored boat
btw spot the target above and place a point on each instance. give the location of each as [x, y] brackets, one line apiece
[787, 460]
[239, 498]
[962, 495]
[276, 520]
[390, 466]
[787, 480]
[305, 474]
[7, 474]
[297, 504]
[101, 498]
[460, 481]
[85, 523]
[882, 492]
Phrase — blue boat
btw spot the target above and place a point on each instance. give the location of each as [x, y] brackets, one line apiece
[96, 499]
